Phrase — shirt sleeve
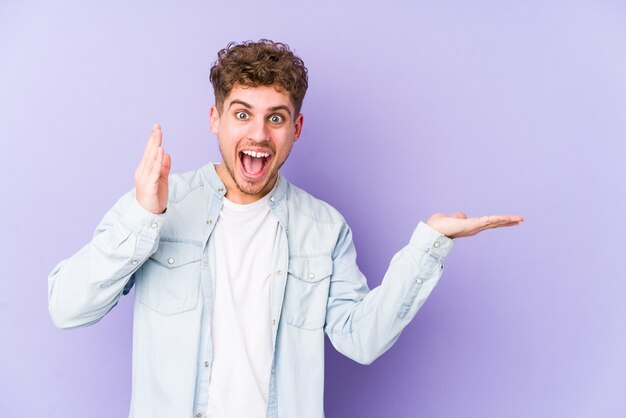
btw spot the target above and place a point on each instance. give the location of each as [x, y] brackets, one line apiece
[84, 287]
[361, 323]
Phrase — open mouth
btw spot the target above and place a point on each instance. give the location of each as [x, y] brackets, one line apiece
[254, 163]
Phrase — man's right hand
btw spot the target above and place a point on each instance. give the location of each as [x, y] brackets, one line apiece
[151, 174]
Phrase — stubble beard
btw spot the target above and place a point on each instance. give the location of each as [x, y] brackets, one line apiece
[256, 188]
[251, 189]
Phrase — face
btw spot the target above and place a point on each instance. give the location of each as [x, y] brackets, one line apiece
[255, 129]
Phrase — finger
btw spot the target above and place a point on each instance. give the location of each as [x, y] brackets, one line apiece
[148, 149]
[507, 219]
[510, 224]
[151, 158]
[156, 144]
[459, 215]
[159, 134]
[150, 161]
[476, 225]
[501, 226]
[501, 221]
[155, 172]
[166, 165]
[496, 219]
[513, 218]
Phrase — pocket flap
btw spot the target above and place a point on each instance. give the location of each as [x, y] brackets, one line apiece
[173, 254]
[311, 269]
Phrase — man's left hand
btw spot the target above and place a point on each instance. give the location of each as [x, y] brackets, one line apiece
[458, 225]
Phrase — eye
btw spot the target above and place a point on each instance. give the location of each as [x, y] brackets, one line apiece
[242, 115]
[276, 119]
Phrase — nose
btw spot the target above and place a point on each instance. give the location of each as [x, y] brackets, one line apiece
[258, 131]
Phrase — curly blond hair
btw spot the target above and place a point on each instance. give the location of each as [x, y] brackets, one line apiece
[262, 63]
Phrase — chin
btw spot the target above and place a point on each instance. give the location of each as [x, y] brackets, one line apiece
[252, 188]
[258, 185]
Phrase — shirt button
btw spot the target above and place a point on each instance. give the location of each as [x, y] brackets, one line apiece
[436, 244]
[198, 415]
[311, 276]
[272, 199]
[155, 225]
[134, 262]
[419, 281]
[170, 261]
[209, 222]
[221, 189]
[279, 272]
[205, 264]
[273, 322]
[206, 364]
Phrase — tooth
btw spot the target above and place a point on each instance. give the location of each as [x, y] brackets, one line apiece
[256, 154]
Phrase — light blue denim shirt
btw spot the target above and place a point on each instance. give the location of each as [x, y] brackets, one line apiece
[317, 287]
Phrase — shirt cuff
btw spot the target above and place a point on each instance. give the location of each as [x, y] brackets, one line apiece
[425, 238]
[141, 221]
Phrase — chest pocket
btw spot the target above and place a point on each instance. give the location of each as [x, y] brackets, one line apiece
[169, 281]
[306, 292]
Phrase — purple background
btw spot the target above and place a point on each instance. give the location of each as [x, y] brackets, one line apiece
[413, 108]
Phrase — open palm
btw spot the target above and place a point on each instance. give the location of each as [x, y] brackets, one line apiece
[458, 225]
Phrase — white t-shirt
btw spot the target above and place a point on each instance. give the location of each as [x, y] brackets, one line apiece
[245, 238]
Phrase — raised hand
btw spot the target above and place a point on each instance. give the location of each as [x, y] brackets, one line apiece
[151, 174]
[458, 225]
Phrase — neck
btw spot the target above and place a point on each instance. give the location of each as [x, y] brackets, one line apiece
[234, 192]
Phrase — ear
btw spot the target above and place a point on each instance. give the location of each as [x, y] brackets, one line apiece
[298, 126]
[214, 119]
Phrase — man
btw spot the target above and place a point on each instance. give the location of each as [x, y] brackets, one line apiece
[239, 273]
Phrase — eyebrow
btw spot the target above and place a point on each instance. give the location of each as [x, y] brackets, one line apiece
[249, 106]
[241, 102]
[281, 107]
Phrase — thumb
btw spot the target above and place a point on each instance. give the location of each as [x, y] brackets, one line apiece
[459, 215]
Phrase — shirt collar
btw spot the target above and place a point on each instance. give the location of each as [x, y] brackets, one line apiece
[214, 181]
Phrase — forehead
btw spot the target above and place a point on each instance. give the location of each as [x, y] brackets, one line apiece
[260, 97]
